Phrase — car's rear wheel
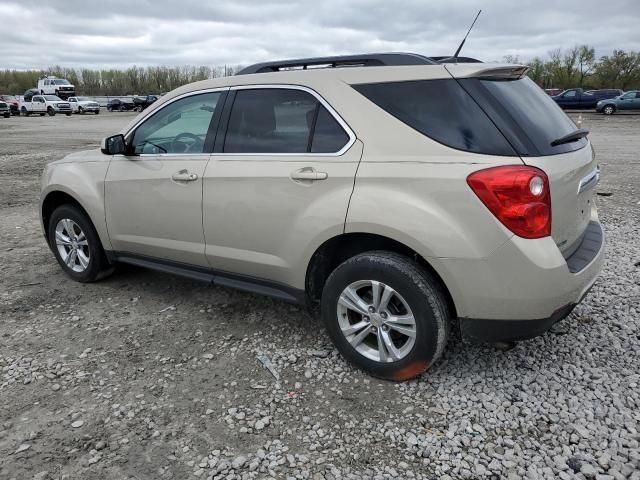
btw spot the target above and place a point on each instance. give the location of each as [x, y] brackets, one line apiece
[122, 108]
[386, 314]
[76, 245]
[608, 109]
[25, 112]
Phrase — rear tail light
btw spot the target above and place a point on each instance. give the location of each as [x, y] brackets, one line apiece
[518, 196]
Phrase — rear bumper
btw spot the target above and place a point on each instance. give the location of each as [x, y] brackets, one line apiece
[524, 287]
[491, 331]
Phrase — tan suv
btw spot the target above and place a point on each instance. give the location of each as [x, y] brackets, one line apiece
[400, 195]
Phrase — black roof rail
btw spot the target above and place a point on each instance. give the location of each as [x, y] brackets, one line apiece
[449, 59]
[364, 60]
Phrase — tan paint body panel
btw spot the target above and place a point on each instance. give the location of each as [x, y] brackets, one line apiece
[150, 214]
[570, 210]
[260, 222]
[80, 175]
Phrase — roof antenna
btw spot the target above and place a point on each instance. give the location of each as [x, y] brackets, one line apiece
[455, 55]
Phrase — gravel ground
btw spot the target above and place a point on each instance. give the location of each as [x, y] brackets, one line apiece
[149, 376]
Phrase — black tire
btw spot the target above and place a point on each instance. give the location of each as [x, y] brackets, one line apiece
[421, 291]
[109, 109]
[122, 108]
[81, 110]
[609, 109]
[7, 115]
[98, 267]
[97, 112]
[51, 111]
[42, 114]
[25, 112]
[68, 114]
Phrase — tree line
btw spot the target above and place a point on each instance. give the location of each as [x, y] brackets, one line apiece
[579, 67]
[572, 67]
[113, 82]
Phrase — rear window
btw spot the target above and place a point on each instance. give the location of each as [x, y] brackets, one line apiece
[442, 111]
[528, 117]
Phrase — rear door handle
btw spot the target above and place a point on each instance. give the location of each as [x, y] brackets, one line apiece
[308, 174]
[184, 176]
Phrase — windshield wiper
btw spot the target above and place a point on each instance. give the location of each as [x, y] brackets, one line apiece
[571, 137]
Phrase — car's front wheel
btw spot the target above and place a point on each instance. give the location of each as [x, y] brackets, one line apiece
[51, 111]
[608, 109]
[76, 245]
[386, 314]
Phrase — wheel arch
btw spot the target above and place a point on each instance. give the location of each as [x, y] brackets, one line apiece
[53, 200]
[339, 248]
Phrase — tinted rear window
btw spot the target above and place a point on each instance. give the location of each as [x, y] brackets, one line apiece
[441, 110]
[527, 116]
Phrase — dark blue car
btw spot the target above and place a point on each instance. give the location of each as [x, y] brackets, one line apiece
[576, 98]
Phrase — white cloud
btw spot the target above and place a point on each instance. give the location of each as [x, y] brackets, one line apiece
[119, 33]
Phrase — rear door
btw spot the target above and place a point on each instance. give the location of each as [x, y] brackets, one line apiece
[279, 180]
[531, 122]
[38, 104]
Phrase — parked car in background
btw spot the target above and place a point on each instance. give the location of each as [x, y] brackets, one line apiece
[45, 104]
[120, 105]
[56, 86]
[14, 104]
[143, 102]
[628, 101]
[397, 201]
[553, 91]
[5, 111]
[577, 98]
[83, 105]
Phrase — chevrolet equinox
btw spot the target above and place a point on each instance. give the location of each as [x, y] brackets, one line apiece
[396, 194]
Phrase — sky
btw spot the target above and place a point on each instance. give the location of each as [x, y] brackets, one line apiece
[120, 33]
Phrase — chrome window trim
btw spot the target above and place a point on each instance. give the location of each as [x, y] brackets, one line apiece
[345, 126]
[323, 102]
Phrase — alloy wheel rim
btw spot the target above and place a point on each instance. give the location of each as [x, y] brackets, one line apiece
[72, 245]
[376, 321]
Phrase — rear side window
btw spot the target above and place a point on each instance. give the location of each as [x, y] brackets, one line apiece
[528, 117]
[441, 110]
[281, 120]
[328, 135]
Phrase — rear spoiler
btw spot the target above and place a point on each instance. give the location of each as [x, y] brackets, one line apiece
[495, 72]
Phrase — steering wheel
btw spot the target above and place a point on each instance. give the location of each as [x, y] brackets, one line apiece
[178, 146]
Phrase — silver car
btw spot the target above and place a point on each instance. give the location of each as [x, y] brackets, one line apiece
[398, 197]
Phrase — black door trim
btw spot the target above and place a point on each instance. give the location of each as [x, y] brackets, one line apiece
[216, 277]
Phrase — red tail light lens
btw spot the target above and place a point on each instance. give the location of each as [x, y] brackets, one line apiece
[518, 196]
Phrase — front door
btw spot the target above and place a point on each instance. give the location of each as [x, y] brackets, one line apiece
[153, 195]
[278, 183]
[627, 101]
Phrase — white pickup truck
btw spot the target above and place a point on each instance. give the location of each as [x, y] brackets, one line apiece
[83, 105]
[44, 104]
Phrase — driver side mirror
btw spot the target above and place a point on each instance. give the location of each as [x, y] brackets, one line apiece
[113, 145]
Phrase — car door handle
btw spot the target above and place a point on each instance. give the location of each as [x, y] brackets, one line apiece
[309, 174]
[184, 176]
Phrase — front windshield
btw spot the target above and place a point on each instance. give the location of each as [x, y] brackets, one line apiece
[52, 98]
[83, 99]
[61, 82]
